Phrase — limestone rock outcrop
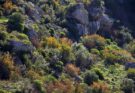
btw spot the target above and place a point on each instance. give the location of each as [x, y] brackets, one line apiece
[88, 19]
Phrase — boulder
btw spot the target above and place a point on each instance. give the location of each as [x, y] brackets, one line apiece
[19, 47]
[89, 19]
[34, 12]
[95, 13]
[96, 9]
[82, 29]
[105, 22]
[78, 19]
[33, 36]
[94, 26]
[80, 14]
[129, 65]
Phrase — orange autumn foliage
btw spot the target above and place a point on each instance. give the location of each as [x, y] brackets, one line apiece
[8, 61]
[8, 4]
[93, 41]
[100, 87]
[72, 70]
[66, 41]
[63, 86]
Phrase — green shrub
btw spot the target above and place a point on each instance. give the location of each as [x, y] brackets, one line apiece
[99, 73]
[19, 37]
[3, 35]
[4, 91]
[51, 55]
[50, 78]
[16, 22]
[83, 58]
[38, 84]
[95, 51]
[7, 68]
[3, 20]
[128, 85]
[57, 66]
[113, 74]
[3, 40]
[90, 77]
[113, 54]
[67, 54]
[93, 41]
[122, 36]
[131, 47]
[131, 73]
[26, 59]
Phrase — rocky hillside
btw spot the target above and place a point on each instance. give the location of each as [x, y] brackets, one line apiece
[67, 46]
[122, 10]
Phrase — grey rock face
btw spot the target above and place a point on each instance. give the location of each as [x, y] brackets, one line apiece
[82, 29]
[95, 12]
[80, 14]
[94, 26]
[129, 65]
[19, 47]
[105, 22]
[124, 11]
[79, 19]
[34, 12]
[89, 19]
[33, 37]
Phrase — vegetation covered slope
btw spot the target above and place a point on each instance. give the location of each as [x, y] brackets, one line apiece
[64, 46]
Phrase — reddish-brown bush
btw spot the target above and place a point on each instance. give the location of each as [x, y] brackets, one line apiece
[98, 87]
[66, 41]
[8, 4]
[64, 86]
[72, 70]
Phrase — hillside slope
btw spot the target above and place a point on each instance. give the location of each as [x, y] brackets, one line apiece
[67, 46]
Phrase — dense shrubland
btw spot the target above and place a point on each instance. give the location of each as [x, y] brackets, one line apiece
[64, 46]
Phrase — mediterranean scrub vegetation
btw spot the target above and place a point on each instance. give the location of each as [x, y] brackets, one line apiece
[67, 46]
